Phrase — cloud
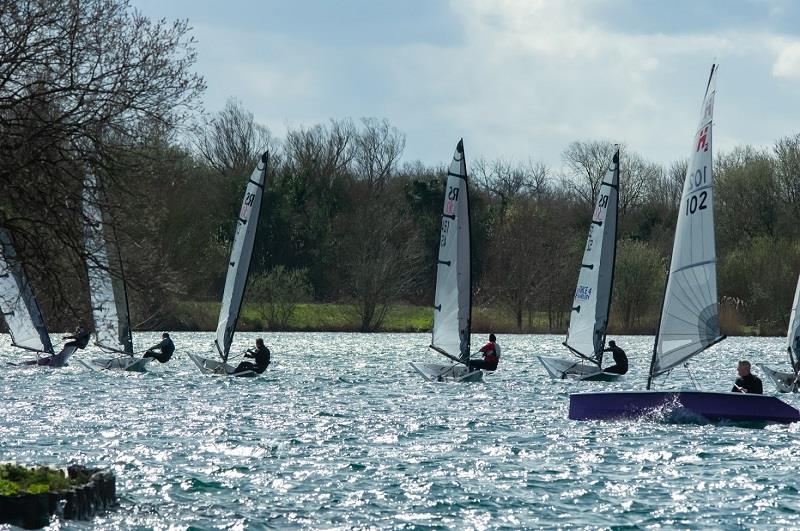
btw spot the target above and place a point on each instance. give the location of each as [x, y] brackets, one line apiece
[516, 79]
[787, 65]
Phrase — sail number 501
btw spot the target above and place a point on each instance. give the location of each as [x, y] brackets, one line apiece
[697, 201]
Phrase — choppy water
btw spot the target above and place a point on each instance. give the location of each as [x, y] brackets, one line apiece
[340, 433]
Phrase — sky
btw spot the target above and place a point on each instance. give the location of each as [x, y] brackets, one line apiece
[518, 80]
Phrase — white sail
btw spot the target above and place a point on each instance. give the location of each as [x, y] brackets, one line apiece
[17, 302]
[590, 308]
[239, 263]
[452, 307]
[793, 333]
[690, 312]
[107, 293]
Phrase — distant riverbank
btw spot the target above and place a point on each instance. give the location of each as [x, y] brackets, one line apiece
[338, 317]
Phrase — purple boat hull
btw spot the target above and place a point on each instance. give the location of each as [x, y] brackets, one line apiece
[709, 405]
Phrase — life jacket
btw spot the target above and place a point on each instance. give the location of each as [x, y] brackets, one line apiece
[490, 354]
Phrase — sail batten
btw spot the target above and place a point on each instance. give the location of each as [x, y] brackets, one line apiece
[452, 307]
[592, 303]
[107, 292]
[689, 320]
[239, 262]
[18, 303]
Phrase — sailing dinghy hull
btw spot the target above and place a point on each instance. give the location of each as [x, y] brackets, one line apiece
[209, 366]
[562, 369]
[54, 361]
[121, 363]
[453, 372]
[711, 406]
[786, 382]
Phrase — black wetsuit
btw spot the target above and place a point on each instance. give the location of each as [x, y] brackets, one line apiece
[262, 357]
[750, 383]
[620, 360]
[79, 339]
[167, 347]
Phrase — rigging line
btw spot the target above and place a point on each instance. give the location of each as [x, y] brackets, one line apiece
[691, 376]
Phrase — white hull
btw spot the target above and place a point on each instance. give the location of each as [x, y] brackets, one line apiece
[121, 363]
[454, 372]
[54, 361]
[786, 382]
[209, 366]
[570, 369]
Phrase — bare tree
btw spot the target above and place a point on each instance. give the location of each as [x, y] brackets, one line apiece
[509, 181]
[380, 257]
[379, 245]
[232, 140]
[80, 84]
[787, 170]
[586, 163]
[378, 147]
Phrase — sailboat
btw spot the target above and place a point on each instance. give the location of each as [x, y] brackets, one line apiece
[690, 311]
[21, 311]
[109, 295]
[452, 311]
[789, 382]
[238, 267]
[588, 321]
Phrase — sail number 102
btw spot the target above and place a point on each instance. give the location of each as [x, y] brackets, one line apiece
[697, 201]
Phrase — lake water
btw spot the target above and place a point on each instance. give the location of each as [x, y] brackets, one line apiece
[341, 433]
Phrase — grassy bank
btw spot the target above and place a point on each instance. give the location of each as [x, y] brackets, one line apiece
[336, 317]
[202, 315]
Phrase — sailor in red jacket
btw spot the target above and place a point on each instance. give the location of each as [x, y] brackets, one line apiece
[491, 356]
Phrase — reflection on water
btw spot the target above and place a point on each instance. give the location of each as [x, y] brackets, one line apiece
[341, 432]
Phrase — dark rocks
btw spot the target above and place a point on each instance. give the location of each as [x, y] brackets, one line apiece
[94, 493]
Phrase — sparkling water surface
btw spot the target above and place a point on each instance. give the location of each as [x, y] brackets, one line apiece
[340, 433]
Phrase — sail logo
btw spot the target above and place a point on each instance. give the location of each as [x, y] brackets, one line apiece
[450, 207]
[583, 293]
[702, 140]
[247, 205]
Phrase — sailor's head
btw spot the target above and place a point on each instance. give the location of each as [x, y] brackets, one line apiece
[259, 342]
[612, 344]
[165, 335]
[492, 338]
[743, 368]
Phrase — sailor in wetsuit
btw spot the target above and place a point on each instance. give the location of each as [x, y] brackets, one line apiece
[491, 356]
[747, 381]
[620, 359]
[166, 346]
[261, 355]
[80, 338]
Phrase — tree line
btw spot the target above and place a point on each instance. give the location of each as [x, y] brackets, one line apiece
[345, 217]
